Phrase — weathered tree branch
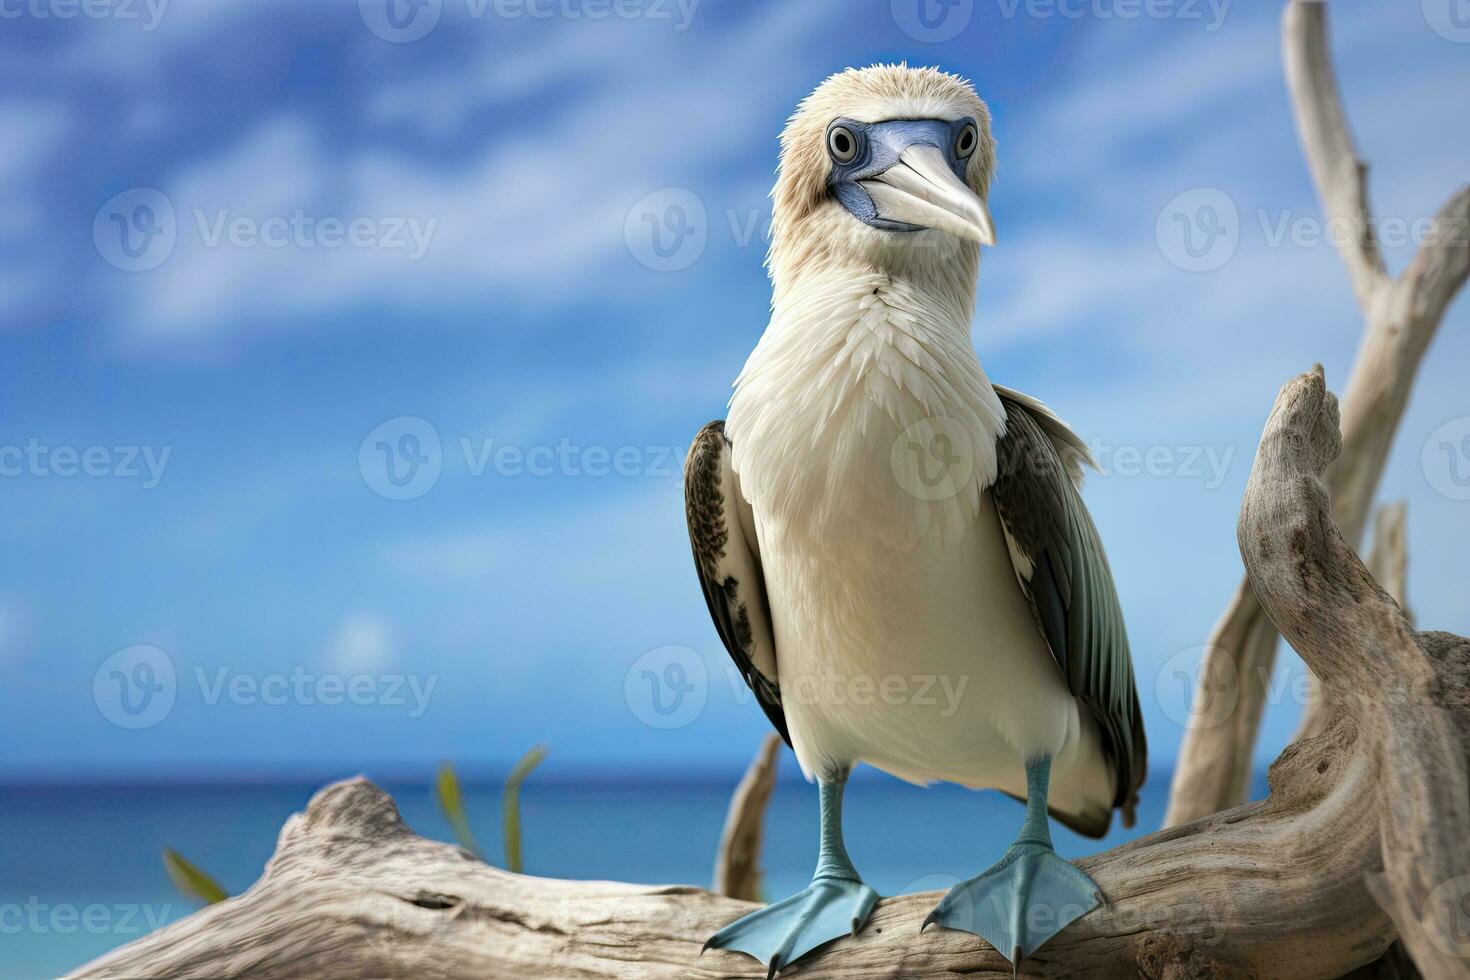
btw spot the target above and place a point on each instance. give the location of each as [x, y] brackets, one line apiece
[1388, 682]
[1388, 559]
[1402, 316]
[1340, 175]
[1374, 810]
[1388, 563]
[737, 863]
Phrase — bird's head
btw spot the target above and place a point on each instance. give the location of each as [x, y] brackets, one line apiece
[888, 166]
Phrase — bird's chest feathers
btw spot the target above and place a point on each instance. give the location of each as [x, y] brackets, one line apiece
[864, 420]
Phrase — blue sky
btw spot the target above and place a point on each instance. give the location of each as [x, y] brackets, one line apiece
[541, 566]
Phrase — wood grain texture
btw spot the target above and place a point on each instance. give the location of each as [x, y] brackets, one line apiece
[1388, 563]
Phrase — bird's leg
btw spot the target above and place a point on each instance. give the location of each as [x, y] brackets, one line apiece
[1030, 895]
[835, 904]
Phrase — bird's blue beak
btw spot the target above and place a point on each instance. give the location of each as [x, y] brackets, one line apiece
[908, 175]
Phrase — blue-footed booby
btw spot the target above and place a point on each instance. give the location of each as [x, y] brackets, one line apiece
[875, 515]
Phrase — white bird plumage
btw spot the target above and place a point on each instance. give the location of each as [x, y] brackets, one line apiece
[963, 627]
[869, 339]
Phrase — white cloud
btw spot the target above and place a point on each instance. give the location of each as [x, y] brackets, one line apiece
[593, 544]
[1100, 261]
[607, 572]
[31, 133]
[142, 36]
[617, 66]
[542, 202]
[363, 642]
[439, 103]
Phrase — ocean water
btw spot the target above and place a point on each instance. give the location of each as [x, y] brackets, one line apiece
[81, 872]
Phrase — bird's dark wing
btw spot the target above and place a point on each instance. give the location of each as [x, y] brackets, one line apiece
[1062, 569]
[727, 558]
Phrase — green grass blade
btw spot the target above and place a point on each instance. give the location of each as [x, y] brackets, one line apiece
[451, 801]
[518, 775]
[190, 881]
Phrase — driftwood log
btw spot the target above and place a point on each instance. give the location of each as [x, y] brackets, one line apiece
[1388, 563]
[1365, 836]
[1401, 316]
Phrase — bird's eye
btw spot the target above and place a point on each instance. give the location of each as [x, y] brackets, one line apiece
[965, 142]
[842, 144]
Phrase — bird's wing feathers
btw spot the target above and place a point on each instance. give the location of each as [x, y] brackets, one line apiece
[727, 558]
[1062, 569]
[1074, 452]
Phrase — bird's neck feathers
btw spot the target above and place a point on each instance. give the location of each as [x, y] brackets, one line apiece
[861, 361]
[826, 247]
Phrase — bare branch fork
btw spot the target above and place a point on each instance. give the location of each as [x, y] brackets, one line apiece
[1362, 840]
[1401, 317]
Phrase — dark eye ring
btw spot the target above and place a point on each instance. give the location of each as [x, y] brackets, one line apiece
[966, 141]
[842, 143]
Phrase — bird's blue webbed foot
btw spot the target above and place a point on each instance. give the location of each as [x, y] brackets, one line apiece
[1029, 896]
[1019, 904]
[835, 904]
[779, 935]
